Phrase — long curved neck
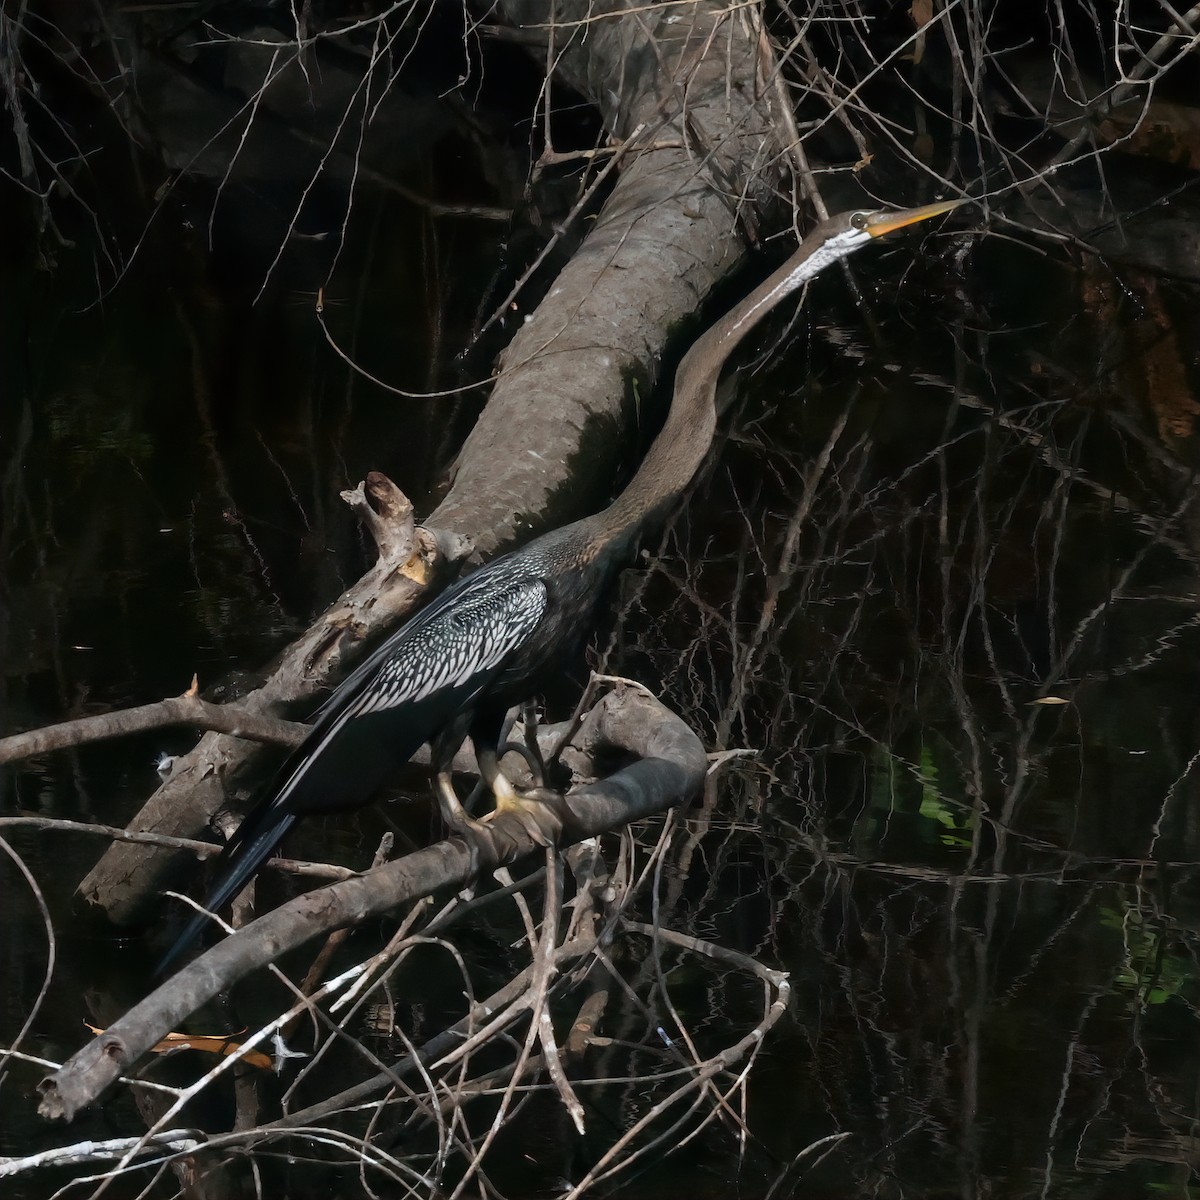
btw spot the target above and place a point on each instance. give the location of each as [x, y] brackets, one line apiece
[687, 434]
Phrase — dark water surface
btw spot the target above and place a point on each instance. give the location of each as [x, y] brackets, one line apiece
[927, 518]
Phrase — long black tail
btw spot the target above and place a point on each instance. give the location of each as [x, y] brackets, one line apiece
[336, 768]
[254, 842]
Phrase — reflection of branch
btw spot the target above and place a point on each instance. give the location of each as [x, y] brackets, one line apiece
[175, 710]
[777, 991]
[1149, 68]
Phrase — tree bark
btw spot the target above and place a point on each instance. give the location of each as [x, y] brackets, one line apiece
[572, 387]
[573, 378]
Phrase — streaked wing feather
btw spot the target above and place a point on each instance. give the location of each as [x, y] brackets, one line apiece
[470, 638]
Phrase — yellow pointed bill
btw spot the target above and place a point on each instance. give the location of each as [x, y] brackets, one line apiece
[888, 222]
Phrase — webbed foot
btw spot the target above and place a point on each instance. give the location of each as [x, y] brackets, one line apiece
[539, 811]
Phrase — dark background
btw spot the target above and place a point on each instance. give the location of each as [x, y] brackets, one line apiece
[986, 903]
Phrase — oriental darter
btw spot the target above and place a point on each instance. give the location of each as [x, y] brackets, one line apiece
[483, 645]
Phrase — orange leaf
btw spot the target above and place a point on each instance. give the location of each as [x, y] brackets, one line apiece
[208, 1043]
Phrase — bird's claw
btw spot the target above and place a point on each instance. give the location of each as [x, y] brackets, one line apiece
[538, 812]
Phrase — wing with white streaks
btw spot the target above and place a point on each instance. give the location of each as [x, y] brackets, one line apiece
[462, 640]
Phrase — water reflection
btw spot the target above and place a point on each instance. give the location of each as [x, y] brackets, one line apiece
[950, 596]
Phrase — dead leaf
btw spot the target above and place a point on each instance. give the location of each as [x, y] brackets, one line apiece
[209, 1044]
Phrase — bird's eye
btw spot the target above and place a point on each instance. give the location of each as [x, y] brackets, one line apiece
[859, 220]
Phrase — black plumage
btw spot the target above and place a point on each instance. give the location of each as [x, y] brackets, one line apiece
[455, 668]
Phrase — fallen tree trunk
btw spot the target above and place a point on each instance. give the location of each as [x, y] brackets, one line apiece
[682, 90]
[570, 394]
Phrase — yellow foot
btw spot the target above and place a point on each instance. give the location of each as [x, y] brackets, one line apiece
[539, 811]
